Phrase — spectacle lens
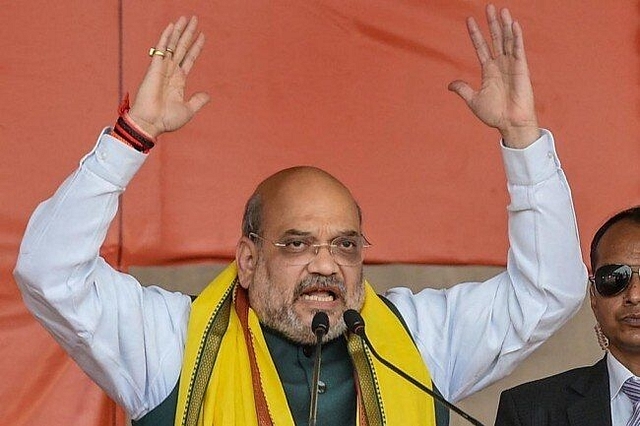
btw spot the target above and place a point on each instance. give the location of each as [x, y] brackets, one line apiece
[346, 251]
[299, 251]
[612, 279]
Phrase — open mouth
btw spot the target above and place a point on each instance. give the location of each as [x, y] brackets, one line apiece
[632, 319]
[320, 294]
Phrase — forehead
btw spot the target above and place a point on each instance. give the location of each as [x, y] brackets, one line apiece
[308, 201]
[620, 244]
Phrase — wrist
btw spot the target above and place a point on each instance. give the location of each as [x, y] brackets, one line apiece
[520, 137]
[141, 125]
[134, 120]
[130, 132]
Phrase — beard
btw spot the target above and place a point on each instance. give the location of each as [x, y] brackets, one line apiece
[276, 310]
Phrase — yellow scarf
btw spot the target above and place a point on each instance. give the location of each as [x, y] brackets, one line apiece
[229, 378]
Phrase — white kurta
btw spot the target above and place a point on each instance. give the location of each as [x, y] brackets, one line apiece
[130, 339]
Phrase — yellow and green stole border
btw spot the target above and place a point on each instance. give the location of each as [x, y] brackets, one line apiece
[229, 378]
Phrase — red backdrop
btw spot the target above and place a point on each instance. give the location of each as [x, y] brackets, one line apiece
[355, 87]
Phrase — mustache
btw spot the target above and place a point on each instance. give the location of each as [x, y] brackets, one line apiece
[319, 281]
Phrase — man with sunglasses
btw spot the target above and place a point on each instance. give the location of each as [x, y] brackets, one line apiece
[240, 353]
[607, 393]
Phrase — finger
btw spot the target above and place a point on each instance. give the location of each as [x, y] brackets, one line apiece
[462, 89]
[495, 30]
[507, 31]
[518, 41]
[175, 35]
[184, 41]
[482, 50]
[192, 54]
[161, 45]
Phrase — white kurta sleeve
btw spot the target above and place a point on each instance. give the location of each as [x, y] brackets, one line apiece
[473, 334]
[129, 339]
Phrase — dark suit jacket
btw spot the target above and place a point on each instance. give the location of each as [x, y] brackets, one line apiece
[578, 397]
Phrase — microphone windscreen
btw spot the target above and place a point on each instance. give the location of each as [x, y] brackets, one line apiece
[320, 323]
[354, 321]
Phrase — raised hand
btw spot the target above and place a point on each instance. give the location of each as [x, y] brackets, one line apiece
[160, 105]
[505, 98]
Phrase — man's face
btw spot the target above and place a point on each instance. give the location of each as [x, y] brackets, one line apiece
[285, 296]
[619, 315]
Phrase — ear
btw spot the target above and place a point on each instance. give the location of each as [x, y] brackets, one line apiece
[246, 259]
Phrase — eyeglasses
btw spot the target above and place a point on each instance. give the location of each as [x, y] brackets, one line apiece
[299, 251]
[610, 280]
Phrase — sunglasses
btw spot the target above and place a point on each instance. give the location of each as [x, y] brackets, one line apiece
[610, 280]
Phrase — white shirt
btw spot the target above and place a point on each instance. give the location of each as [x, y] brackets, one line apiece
[130, 339]
[621, 405]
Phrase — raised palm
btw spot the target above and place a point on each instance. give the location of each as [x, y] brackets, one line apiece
[160, 105]
[505, 97]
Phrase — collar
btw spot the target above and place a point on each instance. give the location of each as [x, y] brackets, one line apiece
[618, 374]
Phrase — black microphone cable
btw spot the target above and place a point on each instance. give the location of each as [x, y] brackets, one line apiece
[355, 324]
[319, 326]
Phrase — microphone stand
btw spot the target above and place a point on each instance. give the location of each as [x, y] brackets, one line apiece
[420, 385]
[355, 323]
[320, 326]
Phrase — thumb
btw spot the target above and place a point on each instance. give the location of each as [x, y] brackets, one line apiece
[462, 89]
[198, 100]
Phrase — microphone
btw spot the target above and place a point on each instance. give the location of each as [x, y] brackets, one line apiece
[355, 324]
[319, 326]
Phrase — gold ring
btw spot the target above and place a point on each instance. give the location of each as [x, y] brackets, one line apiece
[169, 50]
[155, 52]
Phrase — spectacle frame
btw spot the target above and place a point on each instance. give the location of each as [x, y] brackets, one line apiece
[300, 251]
[610, 280]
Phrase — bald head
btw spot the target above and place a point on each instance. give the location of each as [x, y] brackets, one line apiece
[293, 190]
